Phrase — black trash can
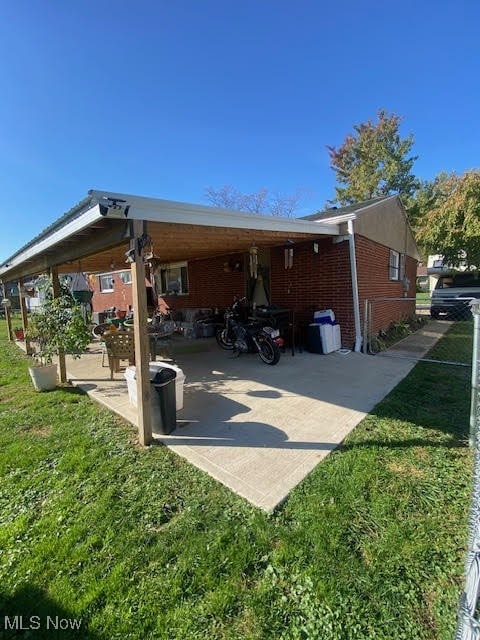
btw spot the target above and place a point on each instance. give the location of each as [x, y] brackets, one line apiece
[314, 339]
[163, 394]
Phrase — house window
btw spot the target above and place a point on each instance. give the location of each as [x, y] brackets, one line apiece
[126, 277]
[396, 266]
[106, 283]
[174, 279]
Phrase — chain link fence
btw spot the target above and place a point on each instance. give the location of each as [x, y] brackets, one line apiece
[398, 327]
[468, 626]
[388, 321]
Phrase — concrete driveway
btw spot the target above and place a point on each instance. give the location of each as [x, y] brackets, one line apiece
[259, 429]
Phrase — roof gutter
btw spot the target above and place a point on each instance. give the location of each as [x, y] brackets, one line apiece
[156, 210]
[356, 301]
[48, 241]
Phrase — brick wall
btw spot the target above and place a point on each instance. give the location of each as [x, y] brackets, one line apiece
[212, 283]
[120, 297]
[373, 282]
[323, 281]
[317, 281]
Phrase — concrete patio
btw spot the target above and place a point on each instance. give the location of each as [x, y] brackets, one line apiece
[258, 429]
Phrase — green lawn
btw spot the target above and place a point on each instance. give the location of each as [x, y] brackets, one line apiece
[423, 297]
[139, 544]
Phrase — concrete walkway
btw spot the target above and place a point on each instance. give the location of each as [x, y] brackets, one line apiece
[419, 343]
[258, 429]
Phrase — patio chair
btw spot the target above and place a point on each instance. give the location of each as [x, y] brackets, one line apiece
[98, 331]
[120, 346]
[160, 336]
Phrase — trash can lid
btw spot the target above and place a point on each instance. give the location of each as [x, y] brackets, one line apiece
[163, 375]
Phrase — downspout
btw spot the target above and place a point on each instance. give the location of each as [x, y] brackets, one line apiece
[356, 301]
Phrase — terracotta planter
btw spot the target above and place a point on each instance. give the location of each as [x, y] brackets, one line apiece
[19, 334]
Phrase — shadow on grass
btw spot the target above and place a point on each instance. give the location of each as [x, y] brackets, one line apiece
[31, 613]
[433, 397]
[72, 390]
[404, 444]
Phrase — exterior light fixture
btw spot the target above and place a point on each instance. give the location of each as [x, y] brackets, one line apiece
[130, 256]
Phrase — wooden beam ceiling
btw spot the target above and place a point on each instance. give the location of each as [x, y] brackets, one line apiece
[104, 244]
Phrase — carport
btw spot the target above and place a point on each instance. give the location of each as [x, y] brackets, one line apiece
[106, 227]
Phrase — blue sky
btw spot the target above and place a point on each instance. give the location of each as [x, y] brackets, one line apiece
[163, 98]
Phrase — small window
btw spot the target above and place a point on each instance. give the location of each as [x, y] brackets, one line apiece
[174, 279]
[394, 265]
[106, 283]
[126, 277]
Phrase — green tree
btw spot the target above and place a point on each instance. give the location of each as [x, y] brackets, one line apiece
[429, 195]
[373, 161]
[451, 226]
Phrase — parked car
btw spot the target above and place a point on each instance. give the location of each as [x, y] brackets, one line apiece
[452, 295]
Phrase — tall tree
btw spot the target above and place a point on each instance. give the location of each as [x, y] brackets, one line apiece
[452, 226]
[275, 204]
[373, 161]
[429, 195]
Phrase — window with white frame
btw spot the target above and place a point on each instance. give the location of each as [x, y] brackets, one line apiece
[174, 279]
[394, 266]
[126, 277]
[106, 283]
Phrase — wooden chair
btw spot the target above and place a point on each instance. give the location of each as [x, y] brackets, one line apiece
[98, 331]
[120, 346]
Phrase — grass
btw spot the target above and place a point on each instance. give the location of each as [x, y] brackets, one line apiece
[458, 346]
[137, 543]
[423, 297]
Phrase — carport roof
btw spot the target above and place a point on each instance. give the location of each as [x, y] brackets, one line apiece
[95, 234]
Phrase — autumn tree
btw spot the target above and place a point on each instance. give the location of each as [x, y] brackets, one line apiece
[275, 204]
[373, 161]
[429, 195]
[451, 226]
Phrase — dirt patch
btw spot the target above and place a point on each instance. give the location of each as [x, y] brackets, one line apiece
[405, 470]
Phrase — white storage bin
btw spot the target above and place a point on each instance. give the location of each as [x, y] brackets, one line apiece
[337, 337]
[154, 366]
[331, 338]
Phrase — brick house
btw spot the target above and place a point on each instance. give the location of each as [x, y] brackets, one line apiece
[203, 256]
[302, 275]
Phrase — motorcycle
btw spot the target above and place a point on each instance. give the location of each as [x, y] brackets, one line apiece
[248, 337]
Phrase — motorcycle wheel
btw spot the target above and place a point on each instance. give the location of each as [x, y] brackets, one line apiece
[223, 340]
[268, 350]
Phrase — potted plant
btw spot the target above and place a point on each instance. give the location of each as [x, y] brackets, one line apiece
[58, 325]
[19, 333]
